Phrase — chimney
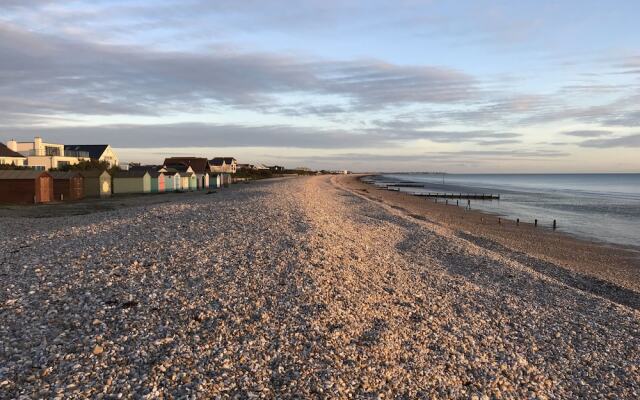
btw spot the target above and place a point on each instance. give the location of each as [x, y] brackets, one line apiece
[37, 146]
[12, 145]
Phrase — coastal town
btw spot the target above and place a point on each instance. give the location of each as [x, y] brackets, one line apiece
[34, 172]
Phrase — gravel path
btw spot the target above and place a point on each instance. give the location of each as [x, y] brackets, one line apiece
[293, 288]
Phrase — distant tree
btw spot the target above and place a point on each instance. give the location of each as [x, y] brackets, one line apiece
[86, 165]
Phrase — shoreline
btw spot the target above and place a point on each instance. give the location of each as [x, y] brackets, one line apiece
[608, 262]
[541, 225]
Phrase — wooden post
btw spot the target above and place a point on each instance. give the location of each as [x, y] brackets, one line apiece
[535, 223]
[499, 220]
[554, 225]
[518, 221]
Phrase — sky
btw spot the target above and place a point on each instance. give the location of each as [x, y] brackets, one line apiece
[408, 85]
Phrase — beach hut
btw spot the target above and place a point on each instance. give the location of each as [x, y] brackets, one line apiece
[169, 181]
[185, 177]
[67, 185]
[203, 181]
[214, 181]
[131, 182]
[198, 165]
[193, 182]
[25, 186]
[157, 181]
[97, 183]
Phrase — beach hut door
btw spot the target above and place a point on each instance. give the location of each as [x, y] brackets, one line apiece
[44, 193]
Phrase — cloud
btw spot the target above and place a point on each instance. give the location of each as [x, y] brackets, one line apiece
[210, 135]
[497, 142]
[51, 75]
[445, 156]
[587, 133]
[631, 119]
[624, 141]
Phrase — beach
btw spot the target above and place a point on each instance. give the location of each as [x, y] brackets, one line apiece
[311, 287]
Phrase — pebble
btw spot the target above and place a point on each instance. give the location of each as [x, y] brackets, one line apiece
[292, 288]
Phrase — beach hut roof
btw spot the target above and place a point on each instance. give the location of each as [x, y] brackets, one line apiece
[93, 173]
[64, 174]
[148, 168]
[130, 174]
[155, 174]
[21, 174]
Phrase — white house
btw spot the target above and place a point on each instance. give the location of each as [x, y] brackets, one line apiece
[43, 155]
[96, 152]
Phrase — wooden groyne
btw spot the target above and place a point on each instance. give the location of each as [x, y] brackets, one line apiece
[468, 196]
[396, 186]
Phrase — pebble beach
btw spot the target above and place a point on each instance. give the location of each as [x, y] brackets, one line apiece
[301, 288]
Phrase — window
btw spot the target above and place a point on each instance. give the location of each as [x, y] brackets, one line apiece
[52, 151]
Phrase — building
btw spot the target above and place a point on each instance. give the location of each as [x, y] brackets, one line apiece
[131, 182]
[95, 152]
[173, 180]
[188, 181]
[11, 157]
[227, 165]
[276, 168]
[41, 155]
[67, 185]
[215, 180]
[199, 165]
[157, 181]
[97, 183]
[25, 187]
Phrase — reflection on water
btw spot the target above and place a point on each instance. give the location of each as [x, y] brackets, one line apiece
[605, 207]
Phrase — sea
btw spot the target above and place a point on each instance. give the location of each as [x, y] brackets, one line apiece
[599, 207]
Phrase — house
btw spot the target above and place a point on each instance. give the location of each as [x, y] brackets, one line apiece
[246, 167]
[227, 165]
[199, 165]
[41, 155]
[95, 152]
[131, 182]
[11, 157]
[97, 183]
[67, 185]
[25, 187]
[276, 168]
